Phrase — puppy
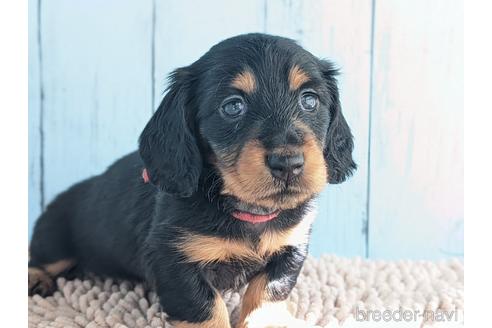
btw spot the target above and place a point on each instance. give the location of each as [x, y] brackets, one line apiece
[218, 194]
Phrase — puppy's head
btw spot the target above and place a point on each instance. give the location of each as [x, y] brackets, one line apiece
[260, 109]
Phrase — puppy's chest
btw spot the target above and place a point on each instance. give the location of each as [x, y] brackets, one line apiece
[231, 275]
[206, 250]
[248, 250]
[229, 263]
[233, 262]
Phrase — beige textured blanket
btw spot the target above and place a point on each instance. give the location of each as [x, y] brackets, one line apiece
[330, 291]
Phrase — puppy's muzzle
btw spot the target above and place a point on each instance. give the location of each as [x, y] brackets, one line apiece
[285, 167]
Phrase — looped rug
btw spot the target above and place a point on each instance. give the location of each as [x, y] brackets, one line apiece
[331, 291]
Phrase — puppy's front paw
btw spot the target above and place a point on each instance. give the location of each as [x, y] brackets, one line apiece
[273, 315]
[289, 323]
[293, 323]
[39, 282]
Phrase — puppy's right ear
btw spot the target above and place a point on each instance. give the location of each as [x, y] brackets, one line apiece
[168, 145]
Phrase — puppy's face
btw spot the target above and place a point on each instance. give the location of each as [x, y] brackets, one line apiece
[260, 109]
[266, 122]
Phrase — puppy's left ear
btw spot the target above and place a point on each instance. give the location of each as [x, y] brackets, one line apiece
[168, 145]
[339, 141]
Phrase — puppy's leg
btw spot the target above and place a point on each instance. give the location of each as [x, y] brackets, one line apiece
[41, 278]
[187, 297]
[50, 252]
[264, 302]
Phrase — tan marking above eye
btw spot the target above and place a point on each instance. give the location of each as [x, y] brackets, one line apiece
[297, 77]
[245, 81]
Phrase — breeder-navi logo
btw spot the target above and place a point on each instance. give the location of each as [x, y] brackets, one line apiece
[405, 315]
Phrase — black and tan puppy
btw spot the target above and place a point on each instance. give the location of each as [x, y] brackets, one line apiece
[243, 141]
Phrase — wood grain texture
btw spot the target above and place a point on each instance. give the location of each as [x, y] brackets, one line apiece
[337, 30]
[103, 68]
[34, 114]
[416, 189]
[186, 29]
[98, 85]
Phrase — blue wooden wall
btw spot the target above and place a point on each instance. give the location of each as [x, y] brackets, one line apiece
[97, 71]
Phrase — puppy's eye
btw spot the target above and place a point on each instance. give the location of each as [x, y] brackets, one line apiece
[233, 107]
[309, 101]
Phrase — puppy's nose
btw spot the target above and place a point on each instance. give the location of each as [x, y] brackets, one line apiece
[285, 167]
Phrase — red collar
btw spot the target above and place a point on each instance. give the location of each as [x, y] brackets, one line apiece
[145, 176]
[254, 218]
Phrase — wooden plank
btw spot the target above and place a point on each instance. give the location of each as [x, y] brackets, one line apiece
[186, 29]
[98, 85]
[338, 30]
[34, 111]
[416, 202]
